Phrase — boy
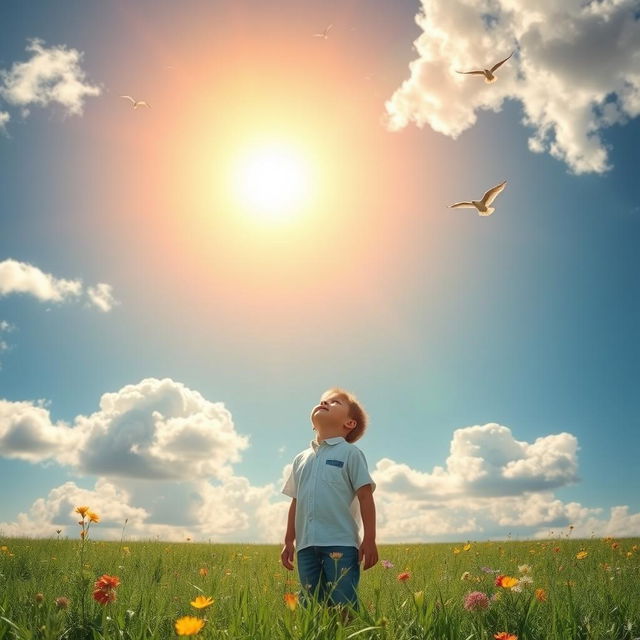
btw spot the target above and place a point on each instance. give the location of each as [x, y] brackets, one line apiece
[323, 484]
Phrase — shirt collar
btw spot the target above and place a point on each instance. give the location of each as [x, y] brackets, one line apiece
[337, 440]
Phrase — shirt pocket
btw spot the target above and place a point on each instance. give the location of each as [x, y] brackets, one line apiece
[333, 472]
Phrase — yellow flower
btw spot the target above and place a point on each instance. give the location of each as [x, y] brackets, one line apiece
[202, 602]
[203, 571]
[82, 511]
[188, 626]
[291, 600]
[541, 595]
[418, 598]
[94, 517]
[456, 550]
[582, 554]
[466, 547]
[335, 555]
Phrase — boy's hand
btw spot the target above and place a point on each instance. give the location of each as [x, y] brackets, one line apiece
[286, 556]
[369, 552]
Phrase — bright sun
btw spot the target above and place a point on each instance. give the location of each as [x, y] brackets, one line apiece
[272, 182]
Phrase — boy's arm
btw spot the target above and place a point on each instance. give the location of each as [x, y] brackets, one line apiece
[286, 555]
[368, 549]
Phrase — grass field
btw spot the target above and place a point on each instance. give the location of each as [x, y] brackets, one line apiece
[560, 589]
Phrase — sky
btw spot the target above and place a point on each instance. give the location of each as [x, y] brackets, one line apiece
[181, 280]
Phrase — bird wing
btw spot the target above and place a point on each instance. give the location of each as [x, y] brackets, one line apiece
[492, 194]
[495, 66]
[473, 72]
[328, 28]
[129, 98]
[462, 205]
[142, 103]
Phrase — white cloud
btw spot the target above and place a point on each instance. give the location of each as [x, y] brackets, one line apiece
[51, 75]
[487, 461]
[102, 296]
[164, 456]
[21, 277]
[232, 511]
[576, 71]
[4, 118]
[154, 429]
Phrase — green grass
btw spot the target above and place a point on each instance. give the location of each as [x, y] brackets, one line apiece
[596, 597]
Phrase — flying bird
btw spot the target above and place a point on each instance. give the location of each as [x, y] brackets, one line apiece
[482, 205]
[325, 34]
[137, 103]
[487, 73]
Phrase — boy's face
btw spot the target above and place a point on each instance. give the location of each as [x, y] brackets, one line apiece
[331, 415]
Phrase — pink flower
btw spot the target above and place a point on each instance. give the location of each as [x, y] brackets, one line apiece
[387, 564]
[476, 601]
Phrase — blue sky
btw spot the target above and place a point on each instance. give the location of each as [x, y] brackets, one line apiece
[497, 356]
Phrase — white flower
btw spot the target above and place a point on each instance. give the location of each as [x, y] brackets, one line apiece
[524, 568]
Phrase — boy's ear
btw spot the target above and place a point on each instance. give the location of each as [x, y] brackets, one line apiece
[350, 424]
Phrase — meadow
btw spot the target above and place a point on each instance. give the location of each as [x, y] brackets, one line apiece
[560, 588]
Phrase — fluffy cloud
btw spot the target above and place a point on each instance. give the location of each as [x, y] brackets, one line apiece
[102, 296]
[156, 429]
[486, 461]
[4, 118]
[576, 71]
[164, 456]
[51, 75]
[230, 512]
[21, 277]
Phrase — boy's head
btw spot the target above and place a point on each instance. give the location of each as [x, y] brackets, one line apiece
[339, 414]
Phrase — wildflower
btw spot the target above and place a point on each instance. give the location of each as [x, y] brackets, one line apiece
[62, 602]
[489, 570]
[541, 595]
[466, 546]
[456, 550]
[582, 554]
[104, 589]
[404, 576]
[291, 600]
[39, 597]
[524, 568]
[505, 635]
[82, 511]
[387, 564]
[188, 626]
[465, 576]
[126, 551]
[335, 555]
[506, 582]
[476, 601]
[556, 549]
[202, 602]
[418, 598]
[93, 517]
[203, 572]
[526, 580]
[615, 545]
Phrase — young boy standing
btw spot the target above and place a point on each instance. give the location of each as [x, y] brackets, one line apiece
[323, 484]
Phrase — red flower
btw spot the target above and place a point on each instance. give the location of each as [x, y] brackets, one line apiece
[107, 582]
[404, 576]
[104, 597]
[104, 589]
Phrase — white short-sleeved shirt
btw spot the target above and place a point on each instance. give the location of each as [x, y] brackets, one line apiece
[324, 480]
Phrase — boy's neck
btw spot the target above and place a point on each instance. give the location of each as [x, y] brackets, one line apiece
[320, 438]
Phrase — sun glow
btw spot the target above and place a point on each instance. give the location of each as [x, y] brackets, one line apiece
[272, 182]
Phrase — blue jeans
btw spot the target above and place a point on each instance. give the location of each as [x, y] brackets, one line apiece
[335, 579]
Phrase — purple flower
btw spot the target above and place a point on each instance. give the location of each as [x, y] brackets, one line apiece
[476, 601]
[387, 564]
